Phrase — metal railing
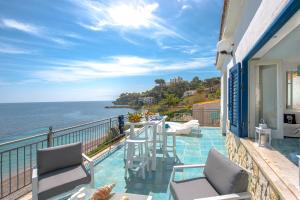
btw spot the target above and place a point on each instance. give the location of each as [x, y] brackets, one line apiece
[17, 158]
[206, 117]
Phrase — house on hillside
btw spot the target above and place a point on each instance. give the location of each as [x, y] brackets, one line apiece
[146, 100]
[189, 93]
[259, 59]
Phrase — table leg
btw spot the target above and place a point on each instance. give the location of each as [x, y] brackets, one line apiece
[270, 138]
[165, 138]
[153, 158]
[131, 135]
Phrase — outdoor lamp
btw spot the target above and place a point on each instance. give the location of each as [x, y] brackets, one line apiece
[225, 47]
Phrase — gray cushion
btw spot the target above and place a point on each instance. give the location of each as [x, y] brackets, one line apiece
[192, 189]
[224, 175]
[54, 158]
[62, 180]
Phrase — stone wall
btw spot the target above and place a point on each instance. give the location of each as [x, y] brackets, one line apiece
[259, 186]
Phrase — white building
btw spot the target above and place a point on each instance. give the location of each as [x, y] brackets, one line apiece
[259, 59]
[146, 100]
[189, 93]
[266, 51]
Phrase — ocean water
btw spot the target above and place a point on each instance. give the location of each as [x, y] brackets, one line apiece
[18, 120]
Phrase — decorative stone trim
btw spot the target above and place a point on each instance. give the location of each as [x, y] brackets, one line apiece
[260, 186]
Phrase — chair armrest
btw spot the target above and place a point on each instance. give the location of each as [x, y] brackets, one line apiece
[34, 184]
[87, 158]
[188, 166]
[175, 168]
[91, 165]
[34, 173]
[236, 196]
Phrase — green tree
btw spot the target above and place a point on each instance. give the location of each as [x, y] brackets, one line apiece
[170, 100]
[211, 82]
[195, 83]
[160, 82]
[179, 88]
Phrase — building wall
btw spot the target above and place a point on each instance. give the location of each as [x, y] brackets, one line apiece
[267, 11]
[259, 16]
[249, 9]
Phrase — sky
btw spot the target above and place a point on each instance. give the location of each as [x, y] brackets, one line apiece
[80, 50]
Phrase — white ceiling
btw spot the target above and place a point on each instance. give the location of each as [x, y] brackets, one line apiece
[287, 49]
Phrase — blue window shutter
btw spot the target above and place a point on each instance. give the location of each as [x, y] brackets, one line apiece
[230, 98]
[234, 98]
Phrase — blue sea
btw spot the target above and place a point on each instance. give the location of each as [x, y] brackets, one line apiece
[18, 120]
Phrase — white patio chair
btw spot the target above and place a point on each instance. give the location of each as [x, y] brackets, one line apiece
[137, 161]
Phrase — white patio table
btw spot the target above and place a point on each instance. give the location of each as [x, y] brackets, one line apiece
[154, 124]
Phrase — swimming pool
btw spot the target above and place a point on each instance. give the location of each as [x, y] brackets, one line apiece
[190, 150]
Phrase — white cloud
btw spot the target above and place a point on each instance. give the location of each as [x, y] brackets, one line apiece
[187, 49]
[117, 66]
[10, 49]
[20, 26]
[132, 16]
[118, 14]
[60, 41]
[38, 31]
[135, 16]
[186, 7]
[191, 50]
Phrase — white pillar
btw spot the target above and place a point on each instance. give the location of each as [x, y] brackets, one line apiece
[223, 113]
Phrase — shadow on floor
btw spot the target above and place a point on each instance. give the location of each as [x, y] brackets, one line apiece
[155, 181]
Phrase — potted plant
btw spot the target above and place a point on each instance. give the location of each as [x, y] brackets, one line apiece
[134, 117]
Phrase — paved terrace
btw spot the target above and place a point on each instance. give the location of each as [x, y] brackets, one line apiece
[109, 167]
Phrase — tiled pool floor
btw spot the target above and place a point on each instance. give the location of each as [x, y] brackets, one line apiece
[190, 150]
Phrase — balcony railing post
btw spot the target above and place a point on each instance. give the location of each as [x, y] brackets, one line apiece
[50, 137]
[121, 124]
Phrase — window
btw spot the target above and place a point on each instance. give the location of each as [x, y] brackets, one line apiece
[293, 90]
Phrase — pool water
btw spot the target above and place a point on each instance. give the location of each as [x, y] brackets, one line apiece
[190, 150]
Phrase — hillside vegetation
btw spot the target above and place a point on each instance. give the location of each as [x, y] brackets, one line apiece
[169, 97]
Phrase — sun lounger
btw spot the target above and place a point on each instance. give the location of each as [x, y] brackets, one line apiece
[182, 128]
